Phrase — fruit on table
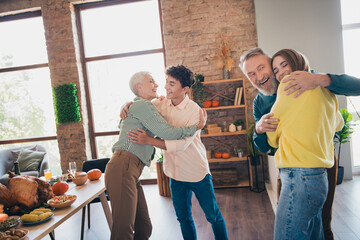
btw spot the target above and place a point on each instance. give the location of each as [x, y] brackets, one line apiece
[225, 155]
[215, 103]
[94, 174]
[3, 217]
[218, 155]
[207, 104]
[60, 188]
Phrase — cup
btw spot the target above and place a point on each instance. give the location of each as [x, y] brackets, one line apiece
[47, 173]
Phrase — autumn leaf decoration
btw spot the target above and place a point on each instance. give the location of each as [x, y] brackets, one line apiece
[224, 58]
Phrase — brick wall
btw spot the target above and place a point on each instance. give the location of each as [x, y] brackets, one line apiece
[192, 29]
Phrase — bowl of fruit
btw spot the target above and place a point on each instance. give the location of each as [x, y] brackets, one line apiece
[62, 201]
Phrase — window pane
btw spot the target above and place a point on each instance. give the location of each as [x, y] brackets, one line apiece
[26, 104]
[351, 39]
[355, 137]
[109, 85]
[122, 28]
[104, 145]
[52, 150]
[25, 42]
[350, 11]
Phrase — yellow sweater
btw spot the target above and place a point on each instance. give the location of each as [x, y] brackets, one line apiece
[307, 125]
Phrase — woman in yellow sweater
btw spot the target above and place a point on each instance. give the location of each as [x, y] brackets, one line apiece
[304, 138]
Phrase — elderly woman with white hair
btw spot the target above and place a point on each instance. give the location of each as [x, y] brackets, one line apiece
[129, 209]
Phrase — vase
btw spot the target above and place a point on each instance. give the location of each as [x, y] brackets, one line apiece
[239, 127]
[226, 74]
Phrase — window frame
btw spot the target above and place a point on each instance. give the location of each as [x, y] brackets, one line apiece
[84, 60]
[22, 16]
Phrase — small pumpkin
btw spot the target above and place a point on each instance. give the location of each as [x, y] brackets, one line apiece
[60, 187]
[94, 174]
[218, 155]
[207, 104]
[215, 103]
[225, 155]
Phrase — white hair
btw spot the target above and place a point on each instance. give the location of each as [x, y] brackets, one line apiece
[136, 79]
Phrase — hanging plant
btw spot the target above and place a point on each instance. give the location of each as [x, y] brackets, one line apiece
[66, 104]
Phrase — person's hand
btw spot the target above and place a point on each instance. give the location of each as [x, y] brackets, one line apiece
[300, 82]
[124, 112]
[139, 136]
[266, 124]
[203, 119]
[161, 98]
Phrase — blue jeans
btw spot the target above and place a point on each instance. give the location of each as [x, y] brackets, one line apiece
[181, 194]
[302, 196]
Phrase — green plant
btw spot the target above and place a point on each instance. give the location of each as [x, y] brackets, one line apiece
[198, 90]
[199, 77]
[238, 122]
[343, 136]
[253, 151]
[66, 104]
[240, 150]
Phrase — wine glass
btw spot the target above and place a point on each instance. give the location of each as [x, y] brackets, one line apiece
[72, 168]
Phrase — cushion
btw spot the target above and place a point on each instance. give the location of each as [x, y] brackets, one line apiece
[16, 153]
[30, 160]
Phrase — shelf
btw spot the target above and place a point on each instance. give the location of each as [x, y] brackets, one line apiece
[224, 107]
[224, 134]
[232, 159]
[241, 183]
[223, 81]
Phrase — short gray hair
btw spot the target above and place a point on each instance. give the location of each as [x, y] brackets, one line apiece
[251, 53]
[136, 79]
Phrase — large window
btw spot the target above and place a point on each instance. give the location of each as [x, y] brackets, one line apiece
[26, 105]
[351, 38]
[118, 41]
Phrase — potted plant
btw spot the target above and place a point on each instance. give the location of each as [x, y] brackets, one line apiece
[238, 123]
[254, 158]
[198, 89]
[343, 136]
[240, 152]
[163, 181]
[253, 151]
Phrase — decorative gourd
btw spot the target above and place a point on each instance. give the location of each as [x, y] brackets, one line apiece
[218, 155]
[94, 174]
[215, 103]
[207, 104]
[60, 187]
[225, 155]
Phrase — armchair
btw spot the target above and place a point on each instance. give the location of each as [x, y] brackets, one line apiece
[7, 162]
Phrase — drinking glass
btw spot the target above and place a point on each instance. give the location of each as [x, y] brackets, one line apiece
[72, 168]
[47, 174]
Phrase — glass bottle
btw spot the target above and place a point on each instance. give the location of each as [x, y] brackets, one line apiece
[17, 168]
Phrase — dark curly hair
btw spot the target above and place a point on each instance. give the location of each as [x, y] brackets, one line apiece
[182, 74]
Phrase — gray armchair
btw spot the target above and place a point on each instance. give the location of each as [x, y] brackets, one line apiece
[7, 162]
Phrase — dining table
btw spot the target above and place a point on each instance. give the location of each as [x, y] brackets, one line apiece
[85, 194]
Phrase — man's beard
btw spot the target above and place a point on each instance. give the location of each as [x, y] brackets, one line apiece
[271, 89]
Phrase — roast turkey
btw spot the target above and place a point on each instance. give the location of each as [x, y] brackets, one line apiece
[25, 192]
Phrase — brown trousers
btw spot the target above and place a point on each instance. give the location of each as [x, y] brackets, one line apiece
[128, 204]
[327, 208]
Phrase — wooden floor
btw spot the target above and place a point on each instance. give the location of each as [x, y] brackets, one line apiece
[248, 215]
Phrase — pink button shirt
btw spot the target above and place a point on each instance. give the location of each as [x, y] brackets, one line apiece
[184, 160]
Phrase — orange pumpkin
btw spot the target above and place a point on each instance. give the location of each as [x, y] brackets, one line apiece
[215, 103]
[218, 155]
[225, 155]
[94, 174]
[60, 187]
[207, 104]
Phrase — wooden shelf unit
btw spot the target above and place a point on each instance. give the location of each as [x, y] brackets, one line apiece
[224, 134]
[215, 136]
